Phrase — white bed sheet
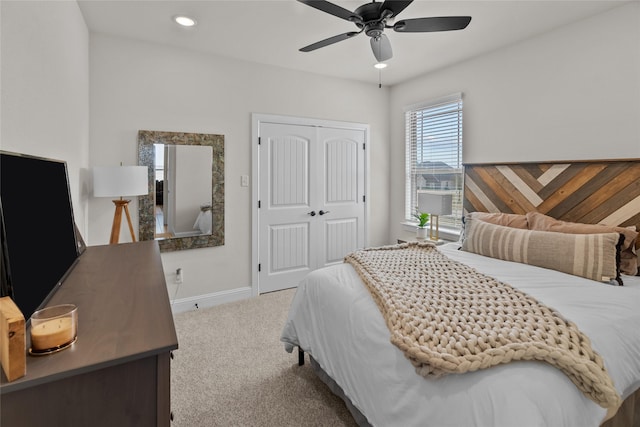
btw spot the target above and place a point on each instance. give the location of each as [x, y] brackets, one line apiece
[334, 318]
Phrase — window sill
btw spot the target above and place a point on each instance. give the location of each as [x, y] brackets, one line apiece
[446, 233]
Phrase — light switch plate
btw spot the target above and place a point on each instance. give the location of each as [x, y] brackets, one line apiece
[244, 180]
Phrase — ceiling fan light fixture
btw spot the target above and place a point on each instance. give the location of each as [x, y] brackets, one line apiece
[380, 65]
[184, 20]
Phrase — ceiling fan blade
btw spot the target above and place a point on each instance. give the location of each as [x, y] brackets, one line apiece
[381, 48]
[330, 40]
[425, 25]
[395, 6]
[330, 8]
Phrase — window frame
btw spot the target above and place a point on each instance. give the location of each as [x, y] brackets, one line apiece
[450, 106]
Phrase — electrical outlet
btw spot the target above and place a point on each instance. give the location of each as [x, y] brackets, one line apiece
[244, 181]
[179, 276]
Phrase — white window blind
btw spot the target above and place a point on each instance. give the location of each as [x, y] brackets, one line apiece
[433, 132]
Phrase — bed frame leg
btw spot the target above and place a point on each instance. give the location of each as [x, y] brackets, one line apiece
[300, 356]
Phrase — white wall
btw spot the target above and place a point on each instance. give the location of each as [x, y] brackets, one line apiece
[138, 85]
[44, 96]
[569, 94]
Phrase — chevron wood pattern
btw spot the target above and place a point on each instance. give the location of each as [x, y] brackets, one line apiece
[592, 192]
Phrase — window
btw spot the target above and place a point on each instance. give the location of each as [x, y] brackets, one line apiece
[159, 161]
[433, 132]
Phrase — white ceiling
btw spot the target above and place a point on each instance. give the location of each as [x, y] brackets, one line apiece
[272, 31]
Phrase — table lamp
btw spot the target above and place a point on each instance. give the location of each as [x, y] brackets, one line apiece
[435, 204]
[120, 181]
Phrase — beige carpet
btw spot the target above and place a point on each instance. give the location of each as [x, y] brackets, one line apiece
[232, 370]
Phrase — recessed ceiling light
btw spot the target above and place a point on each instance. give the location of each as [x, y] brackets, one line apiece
[380, 65]
[185, 21]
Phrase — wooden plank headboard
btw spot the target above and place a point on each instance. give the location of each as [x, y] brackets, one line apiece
[592, 192]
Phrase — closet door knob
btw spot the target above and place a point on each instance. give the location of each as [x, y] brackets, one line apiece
[312, 213]
[323, 212]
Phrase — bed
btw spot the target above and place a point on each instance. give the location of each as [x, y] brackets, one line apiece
[334, 318]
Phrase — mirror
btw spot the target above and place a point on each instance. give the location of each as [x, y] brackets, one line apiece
[185, 205]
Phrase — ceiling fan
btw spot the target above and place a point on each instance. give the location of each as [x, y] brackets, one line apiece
[371, 18]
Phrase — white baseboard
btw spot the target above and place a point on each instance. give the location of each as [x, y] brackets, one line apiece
[209, 300]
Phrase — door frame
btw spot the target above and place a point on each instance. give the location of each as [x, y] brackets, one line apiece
[256, 120]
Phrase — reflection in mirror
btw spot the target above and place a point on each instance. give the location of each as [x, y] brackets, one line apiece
[182, 190]
[185, 205]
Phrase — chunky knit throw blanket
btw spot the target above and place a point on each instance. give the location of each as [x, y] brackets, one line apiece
[448, 318]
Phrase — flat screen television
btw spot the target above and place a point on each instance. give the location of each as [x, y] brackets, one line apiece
[39, 243]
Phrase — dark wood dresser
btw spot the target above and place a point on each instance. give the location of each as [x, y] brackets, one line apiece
[118, 371]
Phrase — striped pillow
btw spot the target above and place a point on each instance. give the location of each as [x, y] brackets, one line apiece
[594, 256]
[628, 256]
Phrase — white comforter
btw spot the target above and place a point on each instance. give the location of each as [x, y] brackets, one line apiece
[334, 318]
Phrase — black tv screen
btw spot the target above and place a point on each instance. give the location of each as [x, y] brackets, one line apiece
[39, 245]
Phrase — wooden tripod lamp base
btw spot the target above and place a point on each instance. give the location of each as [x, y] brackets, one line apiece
[117, 220]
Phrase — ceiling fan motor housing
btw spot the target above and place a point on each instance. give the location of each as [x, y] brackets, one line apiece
[373, 21]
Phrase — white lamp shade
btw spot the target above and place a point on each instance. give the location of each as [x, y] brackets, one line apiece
[435, 203]
[120, 181]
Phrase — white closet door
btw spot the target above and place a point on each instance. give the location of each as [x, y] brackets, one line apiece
[311, 189]
[285, 231]
[341, 213]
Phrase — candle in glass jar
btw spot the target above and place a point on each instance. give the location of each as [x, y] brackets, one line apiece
[52, 333]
